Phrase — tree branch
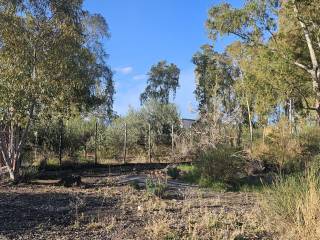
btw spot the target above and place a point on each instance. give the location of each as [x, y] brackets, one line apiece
[304, 67]
[307, 37]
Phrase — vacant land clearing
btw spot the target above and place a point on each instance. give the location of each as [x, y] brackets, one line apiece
[111, 207]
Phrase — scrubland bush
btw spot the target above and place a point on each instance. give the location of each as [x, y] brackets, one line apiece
[112, 137]
[173, 171]
[294, 204]
[156, 187]
[159, 116]
[279, 147]
[221, 164]
[29, 173]
[78, 135]
[218, 168]
[309, 137]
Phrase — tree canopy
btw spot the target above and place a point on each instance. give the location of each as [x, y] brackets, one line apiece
[163, 80]
[50, 62]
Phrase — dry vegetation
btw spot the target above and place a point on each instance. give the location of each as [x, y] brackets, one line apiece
[106, 209]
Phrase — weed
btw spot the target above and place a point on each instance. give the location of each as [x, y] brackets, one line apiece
[29, 173]
[173, 172]
[156, 187]
[294, 204]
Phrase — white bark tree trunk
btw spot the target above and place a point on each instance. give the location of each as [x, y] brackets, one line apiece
[314, 72]
[11, 145]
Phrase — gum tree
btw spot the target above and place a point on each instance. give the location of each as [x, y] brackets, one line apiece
[46, 68]
[286, 29]
[163, 80]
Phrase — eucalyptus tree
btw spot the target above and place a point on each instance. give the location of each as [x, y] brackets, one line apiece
[216, 77]
[205, 66]
[46, 68]
[96, 29]
[163, 81]
[286, 30]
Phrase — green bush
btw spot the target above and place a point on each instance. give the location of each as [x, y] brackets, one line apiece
[214, 185]
[159, 116]
[28, 173]
[173, 172]
[221, 164]
[156, 187]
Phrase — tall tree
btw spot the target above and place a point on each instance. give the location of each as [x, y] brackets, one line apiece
[96, 29]
[205, 66]
[216, 77]
[163, 80]
[45, 68]
[215, 80]
[264, 24]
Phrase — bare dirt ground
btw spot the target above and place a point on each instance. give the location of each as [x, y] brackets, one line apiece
[108, 207]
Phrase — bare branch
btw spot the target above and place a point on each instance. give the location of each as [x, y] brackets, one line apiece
[304, 67]
[307, 37]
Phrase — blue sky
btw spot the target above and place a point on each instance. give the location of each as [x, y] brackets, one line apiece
[144, 32]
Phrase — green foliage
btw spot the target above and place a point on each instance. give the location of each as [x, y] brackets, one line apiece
[216, 75]
[283, 148]
[221, 164]
[156, 187]
[160, 117]
[287, 149]
[29, 173]
[135, 185]
[189, 173]
[192, 174]
[309, 137]
[163, 80]
[112, 136]
[205, 62]
[48, 68]
[274, 56]
[76, 133]
[173, 172]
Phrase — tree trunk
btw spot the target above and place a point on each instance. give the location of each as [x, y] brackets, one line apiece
[239, 135]
[314, 71]
[11, 145]
[250, 122]
[60, 141]
[96, 143]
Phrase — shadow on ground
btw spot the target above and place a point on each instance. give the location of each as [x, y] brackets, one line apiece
[21, 213]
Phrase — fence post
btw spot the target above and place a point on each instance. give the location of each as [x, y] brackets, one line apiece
[149, 143]
[96, 144]
[172, 141]
[36, 146]
[125, 144]
[60, 141]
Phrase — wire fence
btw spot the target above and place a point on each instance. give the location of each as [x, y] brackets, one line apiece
[121, 144]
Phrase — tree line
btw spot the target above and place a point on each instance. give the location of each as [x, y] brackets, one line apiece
[53, 68]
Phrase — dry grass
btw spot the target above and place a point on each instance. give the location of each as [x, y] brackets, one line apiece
[294, 205]
[122, 212]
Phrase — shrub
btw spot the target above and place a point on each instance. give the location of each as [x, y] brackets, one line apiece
[214, 185]
[221, 164]
[279, 148]
[309, 137]
[173, 172]
[294, 204]
[156, 187]
[29, 173]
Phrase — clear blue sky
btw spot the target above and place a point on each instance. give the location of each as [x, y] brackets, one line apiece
[146, 31]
